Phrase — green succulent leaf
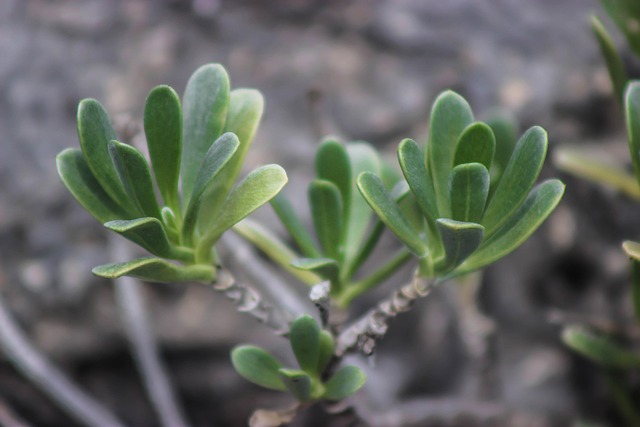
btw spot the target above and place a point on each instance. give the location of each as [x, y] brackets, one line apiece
[95, 132]
[450, 115]
[460, 240]
[505, 131]
[529, 216]
[79, 180]
[389, 212]
[156, 270]
[258, 366]
[150, 234]
[346, 382]
[326, 268]
[632, 110]
[163, 129]
[599, 349]
[135, 175]
[626, 15]
[205, 104]
[170, 224]
[468, 189]
[633, 251]
[274, 248]
[411, 161]
[477, 144]
[327, 214]
[615, 66]
[518, 178]
[218, 155]
[297, 382]
[294, 226]
[333, 165]
[305, 342]
[326, 350]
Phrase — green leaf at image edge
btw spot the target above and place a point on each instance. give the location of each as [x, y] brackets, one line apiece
[258, 366]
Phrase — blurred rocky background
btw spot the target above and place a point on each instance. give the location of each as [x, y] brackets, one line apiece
[362, 69]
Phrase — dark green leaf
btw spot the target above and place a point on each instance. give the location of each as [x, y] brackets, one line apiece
[599, 349]
[387, 209]
[460, 240]
[157, 270]
[294, 226]
[518, 178]
[205, 104]
[333, 165]
[476, 145]
[305, 342]
[327, 214]
[327, 268]
[326, 351]
[468, 188]
[505, 131]
[135, 175]
[81, 183]
[626, 15]
[258, 366]
[450, 115]
[297, 382]
[415, 172]
[633, 251]
[346, 382]
[163, 129]
[95, 133]
[150, 234]
[615, 66]
[632, 103]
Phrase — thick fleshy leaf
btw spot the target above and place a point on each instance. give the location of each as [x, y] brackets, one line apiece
[468, 188]
[326, 351]
[518, 178]
[170, 224]
[305, 342]
[258, 366]
[346, 382]
[612, 58]
[460, 240]
[95, 133]
[149, 234]
[389, 212]
[245, 111]
[218, 155]
[258, 188]
[529, 216]
[81, 183]
[411, 161]
[450, 115]
[505, 131]
[326, 268]
[599, 349]
[333, 165]
[294, 226]
[205, 104]
[135, 175]
[477, 144]
[297, 382]
[327, 214]
[163, 129]
[274, 248]
[632, 110]
[156, 270]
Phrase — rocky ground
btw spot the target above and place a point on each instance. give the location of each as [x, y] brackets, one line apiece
[363, 69]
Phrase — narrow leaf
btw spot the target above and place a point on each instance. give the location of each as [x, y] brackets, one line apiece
[156, 270]
[460, 240]
[327, 215]
[477, 144]
[632, 110]
[81, 183]
[388, 211]
[450, 115]
[633, 251]
[297, 382]
[326, 351]
[326, 268]
[205, 104]
[305, 342]
[599, 349]
[333, 165]
[135, 175]
[258, 366]
[468, 188]
[149, 233]
[505, 131]
[346, 382]
[615, 66]
[163, 129]
[518, 178]
[294, 226]
[626, 15]
[415, 172]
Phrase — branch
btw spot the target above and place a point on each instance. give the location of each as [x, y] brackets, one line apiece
[48, 378]
[373, 325]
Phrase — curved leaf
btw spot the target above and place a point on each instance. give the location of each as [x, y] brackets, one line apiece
[615, 66]
[327, 215]
[163, 129]
[505, 131]
[258, 366]
[632, 114]
[297, 382]
[411, 161]
[305, 343]
[333, 165]
[468, 191]
[294, 226]
[150, 234]
[460, 240]
[599, 349]
[327, 268]
[477, 144]
[346, 382]
[156, 270]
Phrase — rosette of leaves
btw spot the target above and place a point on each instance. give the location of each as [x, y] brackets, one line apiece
[313, 349]
[196, 149]
[474, 210]
[347, 232]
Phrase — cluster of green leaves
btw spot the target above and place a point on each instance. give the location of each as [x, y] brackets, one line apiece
[344, 225]
[197, 147]
[475, 192]
[313, 349]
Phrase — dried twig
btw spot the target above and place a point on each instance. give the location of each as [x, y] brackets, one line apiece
[48, 378]
[362, 334]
